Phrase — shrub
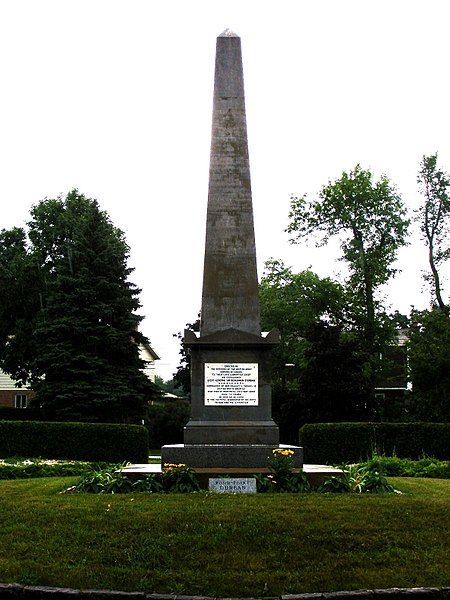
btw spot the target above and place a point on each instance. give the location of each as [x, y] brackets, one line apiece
[356, 479]
[19, 414]
[336, 443]
[281, 477]
[74, 441]
[392, 466]
[165, 422]
[174, 478]
[179, 478]
[26, 468]
[105, 481]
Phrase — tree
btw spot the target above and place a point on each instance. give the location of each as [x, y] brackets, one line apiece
[20, 299]
[170, 386]
[434, 220]
[319, 370]
[182, 376]
[334, 383]
[371, 222]
[292, 302]
[78, 346]
[429, 363]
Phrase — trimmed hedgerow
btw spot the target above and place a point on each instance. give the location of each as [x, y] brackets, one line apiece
[334, 443]
[74, 441]
[8, 413]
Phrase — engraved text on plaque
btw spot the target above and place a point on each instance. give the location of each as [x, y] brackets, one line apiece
[231, 384]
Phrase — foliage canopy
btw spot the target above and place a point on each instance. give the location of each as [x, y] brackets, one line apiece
[433, 217]
[370, 220]
[72, 335]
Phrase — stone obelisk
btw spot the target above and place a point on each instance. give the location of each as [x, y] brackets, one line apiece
[230, 282]
[231, 424]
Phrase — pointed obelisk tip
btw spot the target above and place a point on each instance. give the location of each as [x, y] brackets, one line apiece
[228, 33]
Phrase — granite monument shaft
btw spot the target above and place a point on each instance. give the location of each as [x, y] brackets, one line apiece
[231, 424]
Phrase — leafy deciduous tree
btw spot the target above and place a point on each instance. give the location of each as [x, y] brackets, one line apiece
[371, 221]
[429, 362]
[292, 302]
[434, 219]
[319, 368]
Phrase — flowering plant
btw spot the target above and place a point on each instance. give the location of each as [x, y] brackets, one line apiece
[281, 477]
[179, 478]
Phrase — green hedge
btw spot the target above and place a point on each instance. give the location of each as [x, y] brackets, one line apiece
[8, 413]
[334, 443]
[74, 441]
[165, 422]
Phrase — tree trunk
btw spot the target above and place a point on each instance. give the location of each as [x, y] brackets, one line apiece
[437, 284]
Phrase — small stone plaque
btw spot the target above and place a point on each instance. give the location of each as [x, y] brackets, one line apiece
[232, 485]
[231, 384]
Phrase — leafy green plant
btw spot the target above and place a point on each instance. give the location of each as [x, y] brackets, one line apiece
[393, 466]
[281, 477]
[356, 479]
[179, 478]
[150, 484]
[174, 478]
[106, 481]
[24, 468]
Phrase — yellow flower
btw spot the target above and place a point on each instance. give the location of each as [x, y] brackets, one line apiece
[283, 452]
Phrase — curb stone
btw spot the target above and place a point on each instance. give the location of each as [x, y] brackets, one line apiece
[43, 592]
[15, 591]
[112, 595]
[351, 595]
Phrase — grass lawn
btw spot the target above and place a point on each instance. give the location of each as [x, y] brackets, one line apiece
[242, 545]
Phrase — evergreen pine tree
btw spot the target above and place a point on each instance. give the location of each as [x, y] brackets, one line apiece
[84, 360]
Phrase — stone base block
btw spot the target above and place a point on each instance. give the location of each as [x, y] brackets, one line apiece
[242, 433]
[220, 456]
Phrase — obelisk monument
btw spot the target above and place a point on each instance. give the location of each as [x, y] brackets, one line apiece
[231, 424]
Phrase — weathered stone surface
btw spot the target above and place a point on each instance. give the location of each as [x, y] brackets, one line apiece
[350, 595]
[238, 424]
[112, 595]
[427, 593]
[224, 411]
[230, 283]
[12, 590]
[37, 592]
[224, 456]
[302, 597]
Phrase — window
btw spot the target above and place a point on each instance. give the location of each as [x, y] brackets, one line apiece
[20, 401]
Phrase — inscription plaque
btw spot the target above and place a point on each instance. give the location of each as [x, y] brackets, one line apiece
[233, 485]
[231, 384]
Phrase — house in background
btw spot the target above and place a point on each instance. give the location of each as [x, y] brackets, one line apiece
[12, 396]
[15, 397]
[393, 383]
[147, 354]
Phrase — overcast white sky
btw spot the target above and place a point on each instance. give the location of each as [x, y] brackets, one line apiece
[115, 97]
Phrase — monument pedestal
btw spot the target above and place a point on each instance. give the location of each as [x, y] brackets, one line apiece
[232, 457]
[231, 425]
